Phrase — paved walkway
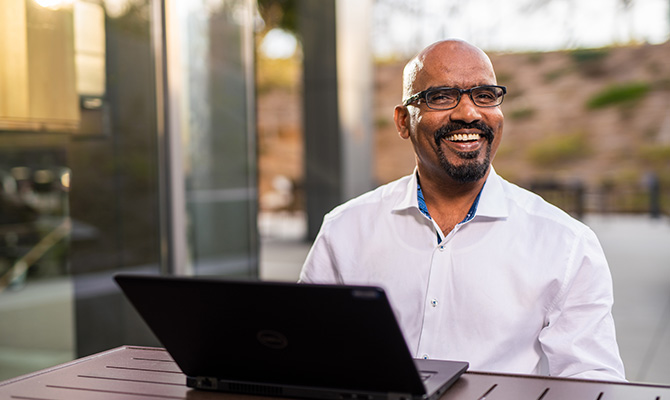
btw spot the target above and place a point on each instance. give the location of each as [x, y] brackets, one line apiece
[638, 251]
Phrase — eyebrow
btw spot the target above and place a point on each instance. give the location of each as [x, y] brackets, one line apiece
[457, 87]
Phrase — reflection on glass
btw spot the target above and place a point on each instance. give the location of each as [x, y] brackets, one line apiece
[81, 205]
[89, 46]
[35, 230]
[219, 155]
[37, 70]
[90, 53]
[54, 4]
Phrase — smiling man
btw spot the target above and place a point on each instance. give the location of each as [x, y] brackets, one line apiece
[476, 268]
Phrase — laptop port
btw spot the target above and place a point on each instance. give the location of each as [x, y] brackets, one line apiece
[206, 383]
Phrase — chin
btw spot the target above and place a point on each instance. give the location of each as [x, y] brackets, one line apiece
[466, 174]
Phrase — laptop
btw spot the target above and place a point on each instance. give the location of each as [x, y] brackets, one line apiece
[286, 339]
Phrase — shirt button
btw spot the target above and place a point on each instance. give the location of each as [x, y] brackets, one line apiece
[433, 302]
[441, 248]
[425, 356]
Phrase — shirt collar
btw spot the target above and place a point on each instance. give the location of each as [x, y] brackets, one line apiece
[491, 200]
[409, 199]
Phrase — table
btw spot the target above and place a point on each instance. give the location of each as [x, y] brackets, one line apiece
[132, 372]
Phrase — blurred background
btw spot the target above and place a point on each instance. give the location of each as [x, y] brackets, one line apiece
[209, 137]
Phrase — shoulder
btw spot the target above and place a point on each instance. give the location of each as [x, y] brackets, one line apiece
[552, 237]
[523, 203]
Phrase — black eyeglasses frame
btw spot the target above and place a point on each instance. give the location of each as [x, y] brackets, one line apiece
[423, 95]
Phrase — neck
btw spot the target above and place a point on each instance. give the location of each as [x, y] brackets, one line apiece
[448, 201]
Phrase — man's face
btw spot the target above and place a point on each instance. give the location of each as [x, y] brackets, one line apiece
[460, 143]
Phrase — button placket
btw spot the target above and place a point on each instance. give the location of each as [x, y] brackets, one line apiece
[432, 311]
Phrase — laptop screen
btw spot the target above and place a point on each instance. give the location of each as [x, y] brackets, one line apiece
[277, 333]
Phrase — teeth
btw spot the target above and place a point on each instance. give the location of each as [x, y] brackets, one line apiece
[463, 137]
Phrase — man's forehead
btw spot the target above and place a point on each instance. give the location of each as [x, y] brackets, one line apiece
[455, 74]
[449, 63]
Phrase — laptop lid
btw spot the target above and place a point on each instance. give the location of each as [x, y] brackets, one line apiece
[303, 340]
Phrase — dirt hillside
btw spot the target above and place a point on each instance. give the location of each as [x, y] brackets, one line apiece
[600, 117]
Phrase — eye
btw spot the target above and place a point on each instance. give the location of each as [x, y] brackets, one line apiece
[442, 96]
[485, 95]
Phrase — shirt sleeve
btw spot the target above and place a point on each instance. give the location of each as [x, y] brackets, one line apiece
[579, 338]
[320, 265]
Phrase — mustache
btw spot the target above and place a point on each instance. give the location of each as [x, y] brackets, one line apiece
[446, 130]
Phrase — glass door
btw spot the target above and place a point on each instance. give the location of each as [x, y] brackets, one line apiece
[117, 147]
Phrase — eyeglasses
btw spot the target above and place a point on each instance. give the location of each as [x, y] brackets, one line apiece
[446, 98]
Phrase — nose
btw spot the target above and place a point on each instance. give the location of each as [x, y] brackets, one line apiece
[466, 111]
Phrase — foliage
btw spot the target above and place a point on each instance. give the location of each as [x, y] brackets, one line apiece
[281, 14]
[513, 91]
[588, 56]
[558, 149]
[504, 77]
[277, 74]
[522, 113]
[618, 93]
[590, 62]
[134, 20]
[662, 84]
[655, 155]
[383, 122]
[554, 75]
[535, 58]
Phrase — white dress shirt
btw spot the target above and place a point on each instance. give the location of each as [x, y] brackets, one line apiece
[522, 287]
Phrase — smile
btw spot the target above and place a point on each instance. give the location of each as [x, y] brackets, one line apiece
[463, 137]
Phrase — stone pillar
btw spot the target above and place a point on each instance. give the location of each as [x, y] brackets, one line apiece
[337, 110]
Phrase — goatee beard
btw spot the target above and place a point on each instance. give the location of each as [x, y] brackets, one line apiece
[470, 170]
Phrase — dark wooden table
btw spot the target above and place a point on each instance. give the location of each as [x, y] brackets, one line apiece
[131, 372]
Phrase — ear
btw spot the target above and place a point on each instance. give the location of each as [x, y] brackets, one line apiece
[401, 119]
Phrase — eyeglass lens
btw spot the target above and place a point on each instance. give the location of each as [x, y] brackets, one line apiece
[449, 97]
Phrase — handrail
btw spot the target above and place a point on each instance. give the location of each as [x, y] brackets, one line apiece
[24, 263]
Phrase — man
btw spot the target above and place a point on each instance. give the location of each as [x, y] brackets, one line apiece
[476, 269]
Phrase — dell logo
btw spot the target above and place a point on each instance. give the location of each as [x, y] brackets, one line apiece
[272, 339]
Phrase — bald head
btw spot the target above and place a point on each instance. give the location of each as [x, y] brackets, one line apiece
[449, 58]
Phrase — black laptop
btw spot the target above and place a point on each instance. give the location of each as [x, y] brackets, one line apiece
[286, 339]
